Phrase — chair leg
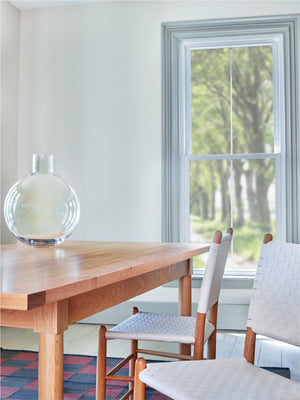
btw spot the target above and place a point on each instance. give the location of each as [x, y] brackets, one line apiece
[211, 345]
[134, 346]
[199, 340]
[101, 365]
[139, 386]
[249, 351]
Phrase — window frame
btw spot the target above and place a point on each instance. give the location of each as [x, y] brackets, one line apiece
[176, 38]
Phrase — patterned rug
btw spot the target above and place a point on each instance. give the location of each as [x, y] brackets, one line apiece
[19, 378]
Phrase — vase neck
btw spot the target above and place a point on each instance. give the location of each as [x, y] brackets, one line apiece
[42, 163]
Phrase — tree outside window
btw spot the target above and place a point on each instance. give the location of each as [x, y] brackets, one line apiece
[232, 114]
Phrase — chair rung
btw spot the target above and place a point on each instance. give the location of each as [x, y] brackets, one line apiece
[127, 394]
[120, 378]
[119, 365]
[165, 354]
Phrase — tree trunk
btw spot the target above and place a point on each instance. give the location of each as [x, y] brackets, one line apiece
[262, 187]
[225, 198]
[205, 203]
[213, 205]
[238, 170]
[251, 197]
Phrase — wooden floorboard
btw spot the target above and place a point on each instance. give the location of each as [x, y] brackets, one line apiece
[269, 353]
[82, 339]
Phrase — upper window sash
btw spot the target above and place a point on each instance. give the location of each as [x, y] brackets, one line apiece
[177, 37]
[275, 41]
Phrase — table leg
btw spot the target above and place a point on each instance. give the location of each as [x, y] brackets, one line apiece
[51, 320]
[185, 301]
[51, 364]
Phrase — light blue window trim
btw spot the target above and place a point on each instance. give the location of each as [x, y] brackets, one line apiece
[283, 33]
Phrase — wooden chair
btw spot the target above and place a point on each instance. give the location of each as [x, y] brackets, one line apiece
[170, 328]
[273, 312]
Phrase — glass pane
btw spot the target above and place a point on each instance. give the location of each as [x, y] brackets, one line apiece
[252, 100]
[253, 209]
[210, 201]
[239, 193]
[210, 91]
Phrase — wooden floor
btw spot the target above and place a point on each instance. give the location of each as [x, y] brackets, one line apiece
[82, 339]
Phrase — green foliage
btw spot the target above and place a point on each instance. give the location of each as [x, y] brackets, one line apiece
[198, 263]
[206, 228]
[247, 240]
[248, 94]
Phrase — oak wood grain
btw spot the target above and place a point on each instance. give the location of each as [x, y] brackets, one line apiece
[32, 277]
[17, 318]
[86, 304]
[51, 366]
[52, 318]
[46, 289]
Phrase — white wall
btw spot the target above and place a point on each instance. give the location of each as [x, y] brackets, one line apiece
[90, 93]
[10, 40]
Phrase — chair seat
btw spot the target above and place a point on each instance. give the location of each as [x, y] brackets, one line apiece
[158, 327]
[218, 380]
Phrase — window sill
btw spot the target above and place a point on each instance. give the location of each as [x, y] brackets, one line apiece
[230, 280]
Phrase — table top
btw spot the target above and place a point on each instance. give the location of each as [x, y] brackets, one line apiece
[30, 275]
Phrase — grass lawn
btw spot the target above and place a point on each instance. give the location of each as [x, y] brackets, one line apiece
[247, 239]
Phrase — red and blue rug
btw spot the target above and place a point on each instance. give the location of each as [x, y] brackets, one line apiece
[19, 378]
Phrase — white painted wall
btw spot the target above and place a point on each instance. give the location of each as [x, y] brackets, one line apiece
[10, 41]
[90, 93]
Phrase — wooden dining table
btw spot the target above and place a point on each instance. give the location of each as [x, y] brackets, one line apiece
[48, 288]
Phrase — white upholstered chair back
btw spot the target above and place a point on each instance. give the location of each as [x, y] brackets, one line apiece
[213, 274]
[275, 301]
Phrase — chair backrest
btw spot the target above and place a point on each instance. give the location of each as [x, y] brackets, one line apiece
[275, 300]
[214, 271]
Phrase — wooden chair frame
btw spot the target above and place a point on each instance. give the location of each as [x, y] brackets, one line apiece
[102, 376]
[249, 352]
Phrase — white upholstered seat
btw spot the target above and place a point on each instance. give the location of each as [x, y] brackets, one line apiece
[273, 312]
[158, 327]
[218, 379]
[170, 328]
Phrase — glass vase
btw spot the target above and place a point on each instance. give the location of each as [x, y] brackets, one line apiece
[41, 209]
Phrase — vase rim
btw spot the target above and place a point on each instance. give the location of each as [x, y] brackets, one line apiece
[42, 163]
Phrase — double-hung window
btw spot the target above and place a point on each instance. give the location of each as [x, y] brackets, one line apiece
[231, 133]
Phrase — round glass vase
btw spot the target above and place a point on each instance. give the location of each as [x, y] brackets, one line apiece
[41, 209]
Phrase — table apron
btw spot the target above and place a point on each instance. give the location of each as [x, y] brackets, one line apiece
[86, 304]
[55, 317]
